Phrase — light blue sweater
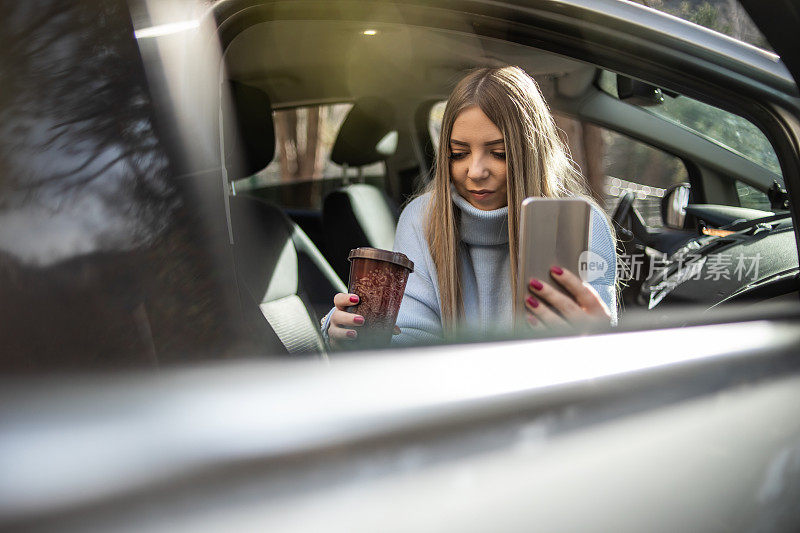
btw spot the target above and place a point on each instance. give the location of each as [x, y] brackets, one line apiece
[485, 271]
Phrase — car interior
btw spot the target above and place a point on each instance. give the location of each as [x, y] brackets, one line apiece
[385, 82]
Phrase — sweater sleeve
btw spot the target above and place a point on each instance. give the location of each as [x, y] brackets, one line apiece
[603, 244]
[419, 318]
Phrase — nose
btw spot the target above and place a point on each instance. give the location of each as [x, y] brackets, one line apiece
[478, 169]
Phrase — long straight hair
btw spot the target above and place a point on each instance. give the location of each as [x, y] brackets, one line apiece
[538, 164]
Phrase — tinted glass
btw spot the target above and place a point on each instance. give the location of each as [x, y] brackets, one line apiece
[104, 257]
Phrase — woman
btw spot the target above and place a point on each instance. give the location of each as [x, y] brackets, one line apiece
[498, 145]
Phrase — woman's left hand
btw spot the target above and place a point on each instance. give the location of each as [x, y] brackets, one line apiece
[547, 306]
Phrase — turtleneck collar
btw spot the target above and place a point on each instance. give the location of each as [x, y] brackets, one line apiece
[479, 227]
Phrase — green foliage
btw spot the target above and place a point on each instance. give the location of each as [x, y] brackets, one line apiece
[732, 131]
[706, 15]
[723, 16]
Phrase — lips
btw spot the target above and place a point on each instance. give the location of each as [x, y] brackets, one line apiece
[480, 194]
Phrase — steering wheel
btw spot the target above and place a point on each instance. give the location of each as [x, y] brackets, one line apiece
[623, 209]
[628, 222]
[632, 235]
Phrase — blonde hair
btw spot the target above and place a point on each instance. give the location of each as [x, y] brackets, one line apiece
[538, 164]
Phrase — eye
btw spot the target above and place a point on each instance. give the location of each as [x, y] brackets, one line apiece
[457, 155]
[499, 155]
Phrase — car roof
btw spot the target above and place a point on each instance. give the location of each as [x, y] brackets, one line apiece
[318, 60]
[420, 46]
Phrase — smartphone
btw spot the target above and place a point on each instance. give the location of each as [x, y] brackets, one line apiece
[552, 232]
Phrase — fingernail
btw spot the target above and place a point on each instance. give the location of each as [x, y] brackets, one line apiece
[354, 299]
[352, 334]
[557, 271]
[533, 302]
[358, 320]
[536, 284]
[532, 320]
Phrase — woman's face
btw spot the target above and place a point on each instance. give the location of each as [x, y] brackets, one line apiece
[478, 160]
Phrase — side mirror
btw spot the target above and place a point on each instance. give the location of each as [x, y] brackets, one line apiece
[673, 205]
[638, 93]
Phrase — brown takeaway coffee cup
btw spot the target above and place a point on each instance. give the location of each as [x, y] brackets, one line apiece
[379, 279]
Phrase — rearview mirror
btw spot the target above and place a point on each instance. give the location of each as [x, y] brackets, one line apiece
[637, 92]
[673, 205]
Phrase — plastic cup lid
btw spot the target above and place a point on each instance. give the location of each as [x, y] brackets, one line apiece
[382, 255]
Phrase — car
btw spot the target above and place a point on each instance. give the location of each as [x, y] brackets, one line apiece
[180, 180]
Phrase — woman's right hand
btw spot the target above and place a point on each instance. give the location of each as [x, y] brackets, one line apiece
[342, 324]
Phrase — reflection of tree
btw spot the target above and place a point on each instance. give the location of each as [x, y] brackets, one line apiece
[76, 129]
[74, 96]
[724, 16]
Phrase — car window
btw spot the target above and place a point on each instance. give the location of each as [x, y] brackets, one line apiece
[302, 172]
[140, 205]
[751, 197]
[732, 131]
[630, 165]
[614, 164]
[729, 130]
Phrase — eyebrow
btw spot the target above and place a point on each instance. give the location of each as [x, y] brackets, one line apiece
[462, 143]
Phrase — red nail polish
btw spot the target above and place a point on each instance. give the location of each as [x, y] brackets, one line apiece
[557, 271]
[354, 299]
[352, 334]
[358, 320]
[532, 302]
[536, 284]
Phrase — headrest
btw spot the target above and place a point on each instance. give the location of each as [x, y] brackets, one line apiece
[369, 122]
[256, 133]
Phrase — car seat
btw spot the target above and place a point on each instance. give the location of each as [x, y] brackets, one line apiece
[360, 214]
[283, 278]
